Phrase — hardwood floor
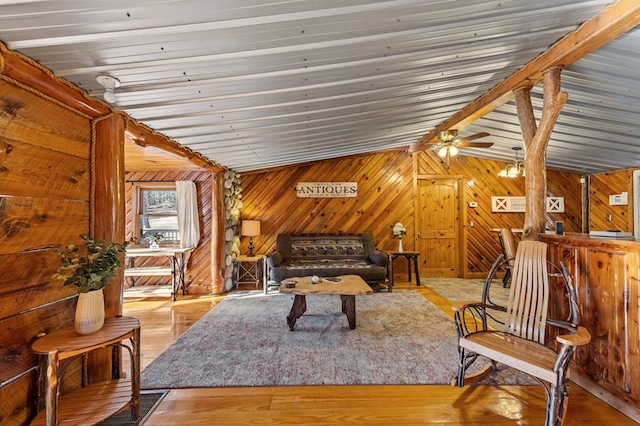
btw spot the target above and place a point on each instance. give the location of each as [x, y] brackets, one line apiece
[163, 321]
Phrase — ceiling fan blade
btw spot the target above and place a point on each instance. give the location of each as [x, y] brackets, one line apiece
[476, 136]
[466, 144]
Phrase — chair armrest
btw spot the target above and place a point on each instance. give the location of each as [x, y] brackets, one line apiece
[378, 257]
[581, 337]
[274, 259]
[460, 306]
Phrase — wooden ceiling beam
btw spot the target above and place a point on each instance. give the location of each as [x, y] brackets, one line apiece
[22, 70]
[615, 20]
[144, 136]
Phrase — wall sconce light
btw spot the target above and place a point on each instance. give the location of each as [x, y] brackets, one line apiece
[250, 228]
[513, 170]
[109, 83]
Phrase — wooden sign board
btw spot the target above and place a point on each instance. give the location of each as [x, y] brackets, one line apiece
[326, 189]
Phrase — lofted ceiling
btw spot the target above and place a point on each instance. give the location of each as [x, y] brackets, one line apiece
[252, 84]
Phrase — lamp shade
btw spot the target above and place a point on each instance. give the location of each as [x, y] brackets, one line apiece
[250, 228]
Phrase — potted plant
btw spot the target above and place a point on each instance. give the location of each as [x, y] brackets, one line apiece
[88, 270]
[154, 240]
[399, 231]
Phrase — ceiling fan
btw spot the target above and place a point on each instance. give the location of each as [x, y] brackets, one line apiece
[448, 142]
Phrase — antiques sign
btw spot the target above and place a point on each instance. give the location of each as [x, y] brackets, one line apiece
[326, 189]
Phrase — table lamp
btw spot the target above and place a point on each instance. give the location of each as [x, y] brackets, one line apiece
[250, 228]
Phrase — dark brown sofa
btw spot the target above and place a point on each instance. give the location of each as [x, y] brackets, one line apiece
[328, 255]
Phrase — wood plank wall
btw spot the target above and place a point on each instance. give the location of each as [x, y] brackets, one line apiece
[385, 196]
[601, 187]
[44, 203]
[198, 278]
[482, 243]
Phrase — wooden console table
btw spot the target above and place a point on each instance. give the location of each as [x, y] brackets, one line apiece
[176, 269]
[97, 401]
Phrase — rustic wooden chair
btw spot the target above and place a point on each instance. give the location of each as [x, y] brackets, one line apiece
[509, 249]
[521, 342]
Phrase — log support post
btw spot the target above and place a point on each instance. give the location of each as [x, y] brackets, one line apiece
[107, 221]
[217, 237]
[536, 140]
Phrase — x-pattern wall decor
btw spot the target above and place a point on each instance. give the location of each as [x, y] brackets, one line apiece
[517, 204]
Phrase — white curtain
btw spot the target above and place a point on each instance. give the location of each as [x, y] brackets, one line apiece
[188, 214]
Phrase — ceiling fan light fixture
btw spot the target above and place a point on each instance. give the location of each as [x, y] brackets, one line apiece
[450, 150]
[109, 83]
[448, 135]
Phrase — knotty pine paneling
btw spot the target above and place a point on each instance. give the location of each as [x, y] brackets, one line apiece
[601, 186]
[198, 275]
[482, 243]
[44, 203]
[385, 196]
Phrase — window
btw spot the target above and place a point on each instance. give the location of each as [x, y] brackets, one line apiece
[156, 211]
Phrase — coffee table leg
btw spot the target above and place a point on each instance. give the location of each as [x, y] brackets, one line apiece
[349, 309]
[299, 307]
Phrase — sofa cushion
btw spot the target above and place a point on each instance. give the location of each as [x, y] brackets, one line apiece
[329, 268]
[327, 246]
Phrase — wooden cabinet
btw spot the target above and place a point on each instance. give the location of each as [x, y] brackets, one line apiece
[93, 403]
[606, 276]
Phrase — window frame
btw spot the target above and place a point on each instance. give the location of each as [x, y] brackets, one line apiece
[137, 199]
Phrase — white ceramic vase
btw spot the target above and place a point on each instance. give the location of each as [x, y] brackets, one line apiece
[89, 312]
[154, 246]
[399, 245]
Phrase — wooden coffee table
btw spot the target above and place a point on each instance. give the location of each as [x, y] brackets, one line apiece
[347, 288]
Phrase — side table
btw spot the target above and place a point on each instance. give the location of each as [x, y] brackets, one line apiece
[411, 256]
[97, 401]
[248, 270]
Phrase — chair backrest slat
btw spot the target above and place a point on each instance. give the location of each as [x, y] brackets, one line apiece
[529, 294]
[508, 244]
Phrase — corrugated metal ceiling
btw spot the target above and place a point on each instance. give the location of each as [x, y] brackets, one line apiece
[254, 84]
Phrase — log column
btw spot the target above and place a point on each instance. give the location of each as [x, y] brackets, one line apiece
[536, 139]
[107, 219]
[217, 229]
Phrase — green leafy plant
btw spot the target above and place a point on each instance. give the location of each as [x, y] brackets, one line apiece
[92, 267]
[154, 238]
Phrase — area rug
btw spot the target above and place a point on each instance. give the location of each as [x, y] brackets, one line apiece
[400, 338]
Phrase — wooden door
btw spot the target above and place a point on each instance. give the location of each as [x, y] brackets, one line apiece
[438, 226]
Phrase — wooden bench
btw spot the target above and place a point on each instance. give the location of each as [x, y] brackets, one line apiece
[521, 343]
